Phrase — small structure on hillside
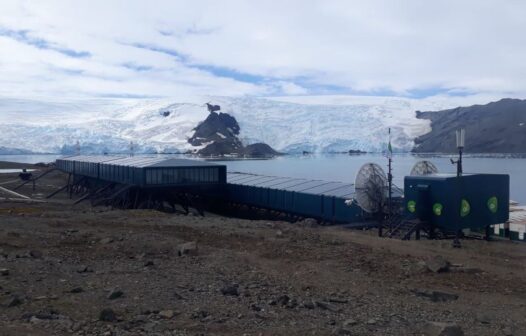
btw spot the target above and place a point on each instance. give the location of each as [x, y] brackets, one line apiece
[25, 175]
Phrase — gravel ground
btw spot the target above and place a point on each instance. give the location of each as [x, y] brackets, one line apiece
[77, 270]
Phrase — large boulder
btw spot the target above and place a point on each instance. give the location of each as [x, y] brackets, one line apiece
[187, 249]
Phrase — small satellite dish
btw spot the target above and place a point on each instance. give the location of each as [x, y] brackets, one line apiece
[424, 168]
[370, 188]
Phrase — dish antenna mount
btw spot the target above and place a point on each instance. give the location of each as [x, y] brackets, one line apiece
[422, 168]
[371, 188]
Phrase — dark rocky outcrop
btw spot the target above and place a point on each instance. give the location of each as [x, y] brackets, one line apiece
[219, 132]
[497, 127]
[217, 127]
[356, 151]
[259, 150]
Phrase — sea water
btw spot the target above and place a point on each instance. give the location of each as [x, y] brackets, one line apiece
[343, 168]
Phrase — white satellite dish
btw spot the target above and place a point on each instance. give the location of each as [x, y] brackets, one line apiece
[422, 168]
[371, 188]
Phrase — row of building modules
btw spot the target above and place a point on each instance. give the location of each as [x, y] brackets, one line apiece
[323, 200]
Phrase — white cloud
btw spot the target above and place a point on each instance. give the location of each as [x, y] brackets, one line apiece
[255, 48]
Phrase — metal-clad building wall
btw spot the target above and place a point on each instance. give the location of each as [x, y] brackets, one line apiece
[189, 175]
[309, 198]
[329, 208]
[145, 171]
[86, 165]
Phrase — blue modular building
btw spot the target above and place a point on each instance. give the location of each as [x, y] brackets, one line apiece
[145, 171]
[324, 200]
[451, 202]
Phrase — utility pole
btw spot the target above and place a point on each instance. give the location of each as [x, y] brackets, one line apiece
[132, 148]
[460, 135]
[390, 181]
[77, 148]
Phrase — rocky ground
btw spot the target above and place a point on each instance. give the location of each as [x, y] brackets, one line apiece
[75, 270]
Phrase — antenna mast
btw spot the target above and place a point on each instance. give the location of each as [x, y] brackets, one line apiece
[460, 136]
[132, 148]
[460, 145]
[390, 180]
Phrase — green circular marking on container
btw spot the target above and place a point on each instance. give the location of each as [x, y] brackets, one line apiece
[411, 206]
[493, 204]
[465, 208]
[437, 209]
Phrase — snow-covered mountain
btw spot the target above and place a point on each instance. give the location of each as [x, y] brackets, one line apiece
[288, 124]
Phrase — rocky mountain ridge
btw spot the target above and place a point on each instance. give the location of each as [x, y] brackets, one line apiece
[497, 127]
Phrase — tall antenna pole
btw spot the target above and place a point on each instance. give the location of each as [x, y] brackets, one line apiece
[390, 179]
[132, 148]
[460, 135]
[77, 148]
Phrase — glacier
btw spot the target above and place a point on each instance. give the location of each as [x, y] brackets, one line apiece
[289, 124]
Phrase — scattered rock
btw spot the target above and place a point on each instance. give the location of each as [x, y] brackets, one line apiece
[167, 314]
[508, 331]
[279, 234]
[35, 254]
[436, 296]
[107, 240]
[115, 294]
[148, 263]
[255, 307]
[231, 290]
[51, 315]
[325, 306]
[443, 329]
[45, 297]
[283, 300]
[342, 331]
[178, 296]
[4, 271]
[200, 314]
[13, 301]
[77, 290]
[34, 320]
[484, 318]
[308, 222]
[23, 254]
[338, 300]
[107, 315]
[84, 269]
[349, 322]
[309, 304]
[438, 264]
[189, 248]
[372, 321]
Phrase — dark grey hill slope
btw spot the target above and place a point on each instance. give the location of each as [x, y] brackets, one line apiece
[497, 127]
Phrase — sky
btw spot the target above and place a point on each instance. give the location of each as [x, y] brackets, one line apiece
[147, 49]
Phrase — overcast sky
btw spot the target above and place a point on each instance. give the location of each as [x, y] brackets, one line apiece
[56, 49]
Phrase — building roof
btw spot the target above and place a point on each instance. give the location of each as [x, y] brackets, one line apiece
[140, 161]
[306, 186]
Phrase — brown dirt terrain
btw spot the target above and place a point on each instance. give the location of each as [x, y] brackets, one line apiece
[60, 263]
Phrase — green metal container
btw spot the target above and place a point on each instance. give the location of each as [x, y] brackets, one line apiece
[471, 201]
